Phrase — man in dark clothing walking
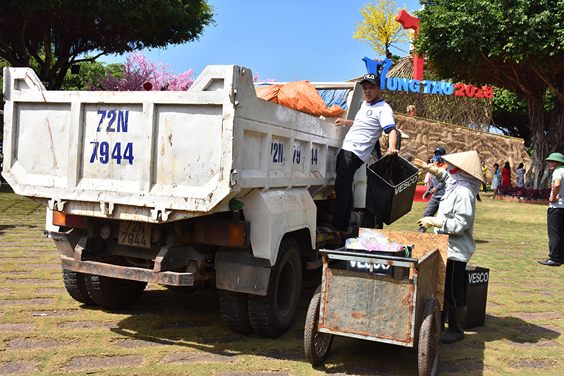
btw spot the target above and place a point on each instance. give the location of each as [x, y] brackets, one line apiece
[436, 188]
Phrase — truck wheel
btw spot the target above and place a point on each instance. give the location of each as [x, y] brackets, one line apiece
[316, 345]
[76, 287]
[234, 311]
[271, 315]
[113, 293]
[429, 338]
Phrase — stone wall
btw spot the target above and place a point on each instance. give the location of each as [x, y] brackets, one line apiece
[425, 135]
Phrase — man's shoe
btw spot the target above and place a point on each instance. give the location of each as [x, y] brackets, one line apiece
[549, 262]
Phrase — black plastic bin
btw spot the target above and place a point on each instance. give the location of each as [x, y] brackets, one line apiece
[391, 183]
[476, 289]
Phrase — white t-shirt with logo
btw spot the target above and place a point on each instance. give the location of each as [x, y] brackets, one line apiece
[558, 174]
[369, 122]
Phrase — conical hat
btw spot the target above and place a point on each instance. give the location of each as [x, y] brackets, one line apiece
[468, 161]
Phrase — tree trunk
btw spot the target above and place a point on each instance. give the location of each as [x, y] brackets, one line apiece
[536, 120]
[548, 133]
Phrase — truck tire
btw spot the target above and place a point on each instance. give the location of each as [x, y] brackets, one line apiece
[113, 293]
[234, 311]
[272, 314]
[76, 287]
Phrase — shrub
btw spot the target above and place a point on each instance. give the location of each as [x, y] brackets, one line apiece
[510, 190]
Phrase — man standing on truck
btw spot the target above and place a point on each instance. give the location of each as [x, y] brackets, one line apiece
[374, 117]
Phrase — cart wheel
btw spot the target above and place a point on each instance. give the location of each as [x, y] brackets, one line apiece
[430, 338]
[316, 345]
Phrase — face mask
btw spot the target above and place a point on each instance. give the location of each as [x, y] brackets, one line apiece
[438, 159]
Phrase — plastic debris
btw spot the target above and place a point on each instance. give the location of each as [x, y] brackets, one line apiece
[372, 240]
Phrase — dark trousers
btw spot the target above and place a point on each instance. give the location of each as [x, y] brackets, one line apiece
[347, 164]
[431, 208]
[555, 225]
[454, 283]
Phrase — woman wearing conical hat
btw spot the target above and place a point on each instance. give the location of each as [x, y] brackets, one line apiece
[455, 218]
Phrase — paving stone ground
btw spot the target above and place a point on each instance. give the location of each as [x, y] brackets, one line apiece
[44, 332]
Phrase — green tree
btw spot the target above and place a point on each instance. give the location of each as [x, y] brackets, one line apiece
[380, 28]
[517, 45]
[89, 71]
[510, 115]
[59, 33]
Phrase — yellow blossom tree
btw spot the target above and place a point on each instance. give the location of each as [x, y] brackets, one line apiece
[380, 28]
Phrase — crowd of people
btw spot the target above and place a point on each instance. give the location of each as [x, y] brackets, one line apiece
[500, 177]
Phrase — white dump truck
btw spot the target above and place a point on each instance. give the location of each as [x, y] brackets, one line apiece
[178, 188]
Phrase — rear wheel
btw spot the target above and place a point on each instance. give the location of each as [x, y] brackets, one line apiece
[316, 344]
[113, 293]
[235, 311]
[76, 287]
[271, 315]
[430, 338]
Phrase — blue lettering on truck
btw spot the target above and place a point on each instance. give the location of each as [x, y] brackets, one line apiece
[314, 156]
[277, 154]
[117, 121]
[297, 154]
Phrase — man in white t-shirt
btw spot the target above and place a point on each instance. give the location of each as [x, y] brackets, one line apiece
[374, 117]
[555, 215]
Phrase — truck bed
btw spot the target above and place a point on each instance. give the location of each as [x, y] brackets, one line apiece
[160, 156]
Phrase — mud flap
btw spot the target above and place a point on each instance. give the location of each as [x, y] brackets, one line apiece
[242, 273]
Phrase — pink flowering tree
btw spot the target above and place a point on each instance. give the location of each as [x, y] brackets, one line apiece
[142, 74]
[256, 79]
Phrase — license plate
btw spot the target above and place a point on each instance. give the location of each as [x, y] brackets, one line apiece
[136, 234]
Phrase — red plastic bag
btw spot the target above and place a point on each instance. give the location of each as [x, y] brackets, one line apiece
[298, 95]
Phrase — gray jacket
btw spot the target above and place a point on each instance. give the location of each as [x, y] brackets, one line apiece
[458, 207]
[438, 185]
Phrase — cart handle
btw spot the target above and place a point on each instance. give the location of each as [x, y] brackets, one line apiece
[343, 252]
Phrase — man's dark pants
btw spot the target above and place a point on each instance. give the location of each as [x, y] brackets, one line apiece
[347, 164]
[555, 225]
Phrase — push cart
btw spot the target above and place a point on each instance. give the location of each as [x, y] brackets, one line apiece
[383, 297]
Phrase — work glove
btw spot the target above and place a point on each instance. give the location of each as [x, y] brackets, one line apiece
[427, 222]
[425, 167]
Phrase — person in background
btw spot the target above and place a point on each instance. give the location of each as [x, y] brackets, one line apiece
[506, 174]
[496, 179]
[436, 188]
[372, 119]
[555, 214]
[485, 172]
[428, 175]
[455, 218]
[520, 180]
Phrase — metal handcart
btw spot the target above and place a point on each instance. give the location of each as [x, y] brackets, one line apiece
[397, 299]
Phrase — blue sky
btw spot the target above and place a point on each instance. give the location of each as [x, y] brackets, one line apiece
[283, 40]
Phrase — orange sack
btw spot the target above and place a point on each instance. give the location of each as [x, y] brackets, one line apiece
[298, 95]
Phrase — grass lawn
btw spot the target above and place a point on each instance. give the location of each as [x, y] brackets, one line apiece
[45, 332]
